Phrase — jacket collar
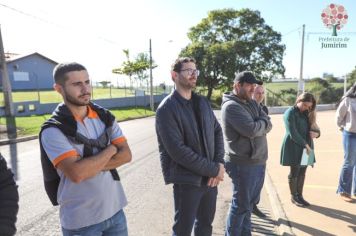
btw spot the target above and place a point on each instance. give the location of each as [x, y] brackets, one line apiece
[181, 99]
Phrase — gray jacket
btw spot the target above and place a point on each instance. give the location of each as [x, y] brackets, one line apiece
[186, 156]
[245, 126]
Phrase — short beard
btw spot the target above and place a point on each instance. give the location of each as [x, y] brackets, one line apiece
[186, 86]
[73, 101]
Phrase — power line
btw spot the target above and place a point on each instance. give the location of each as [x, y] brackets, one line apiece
[30, 15]
[292, 31]
[52, 23]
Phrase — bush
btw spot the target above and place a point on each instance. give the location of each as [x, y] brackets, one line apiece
[331, 95]
[320, 81]
[285, 97]
[216, 102]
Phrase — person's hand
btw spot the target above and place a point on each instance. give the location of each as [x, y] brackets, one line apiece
[113, 148]
[313, 134]
[213, 182]
[221, 173]
[308, 148]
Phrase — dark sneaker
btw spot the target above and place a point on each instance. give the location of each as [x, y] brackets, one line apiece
[257, 212]
[295, 200]
[301, 199]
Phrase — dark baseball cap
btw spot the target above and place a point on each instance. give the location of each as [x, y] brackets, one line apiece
[247, 77]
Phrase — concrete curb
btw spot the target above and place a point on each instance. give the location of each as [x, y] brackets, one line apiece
[284, 227]
[17, 140]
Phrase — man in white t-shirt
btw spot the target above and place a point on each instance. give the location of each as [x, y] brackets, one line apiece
[91, 200]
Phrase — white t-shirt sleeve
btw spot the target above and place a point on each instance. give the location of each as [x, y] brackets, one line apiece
[117, 136]
[57, 146]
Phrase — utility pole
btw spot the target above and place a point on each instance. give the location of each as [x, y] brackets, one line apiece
[301, 80]
[6, 86]
[151, 80]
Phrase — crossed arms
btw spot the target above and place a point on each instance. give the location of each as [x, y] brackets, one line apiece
[111, 157]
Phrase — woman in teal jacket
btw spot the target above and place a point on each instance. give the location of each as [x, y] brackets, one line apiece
[301, 128]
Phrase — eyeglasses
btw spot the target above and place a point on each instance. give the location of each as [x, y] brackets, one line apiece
[191, 71]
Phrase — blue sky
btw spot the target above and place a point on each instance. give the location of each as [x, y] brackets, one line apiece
[95, 32]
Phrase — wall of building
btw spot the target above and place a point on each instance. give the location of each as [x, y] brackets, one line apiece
[38, 69]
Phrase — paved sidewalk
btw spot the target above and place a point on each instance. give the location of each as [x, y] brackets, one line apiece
[328, 213]
[265, 226]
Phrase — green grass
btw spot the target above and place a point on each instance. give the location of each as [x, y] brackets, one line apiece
[122, 114]
[51, 96]
[31, 125]
[275, 87]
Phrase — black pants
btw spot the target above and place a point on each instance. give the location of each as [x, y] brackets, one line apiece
[296, 171]
[194, 204]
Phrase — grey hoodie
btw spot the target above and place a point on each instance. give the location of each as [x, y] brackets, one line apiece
[245, 126]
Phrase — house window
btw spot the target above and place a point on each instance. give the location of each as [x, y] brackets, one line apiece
[31, 107]
[20, 108]
[21, 76]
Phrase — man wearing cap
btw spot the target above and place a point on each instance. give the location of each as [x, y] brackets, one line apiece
[245, 126]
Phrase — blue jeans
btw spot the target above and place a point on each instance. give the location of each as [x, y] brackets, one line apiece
[247, 183]
[194, 206]
[114, 226]
[348, 172]
[354, 181]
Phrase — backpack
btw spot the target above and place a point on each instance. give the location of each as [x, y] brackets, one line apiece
[63, 119]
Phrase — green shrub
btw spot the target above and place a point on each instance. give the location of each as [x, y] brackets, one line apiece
[331, 95]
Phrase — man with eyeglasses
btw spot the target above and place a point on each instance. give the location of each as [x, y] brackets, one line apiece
[191, 151]
[245, 126]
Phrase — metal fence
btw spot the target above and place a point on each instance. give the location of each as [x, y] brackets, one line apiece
[28, 108]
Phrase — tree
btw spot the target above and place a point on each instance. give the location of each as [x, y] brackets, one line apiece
[331, 79]
[322, 82]
[126, 67]
[230, 41]
[351, 78]
[104, 83]
[137, 68]
[141, 65]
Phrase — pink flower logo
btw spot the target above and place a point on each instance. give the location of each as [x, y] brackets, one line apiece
[334, 17]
